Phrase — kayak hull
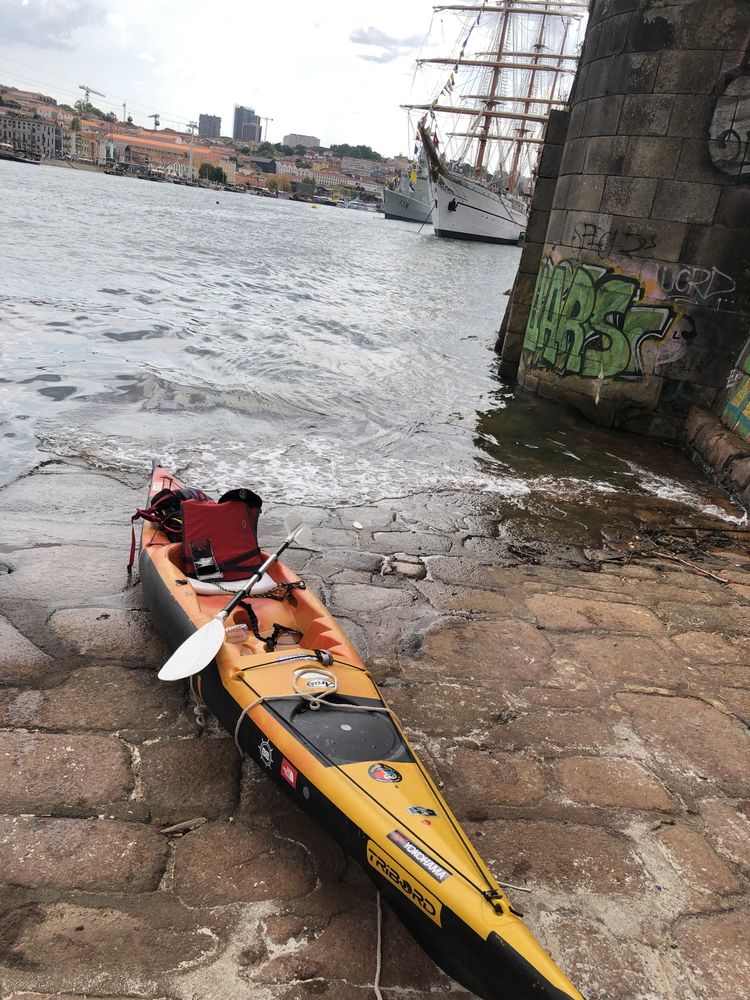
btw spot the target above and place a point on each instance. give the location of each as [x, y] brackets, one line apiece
[370, 805]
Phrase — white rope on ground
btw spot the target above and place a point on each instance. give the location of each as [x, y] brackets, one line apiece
[379, 956]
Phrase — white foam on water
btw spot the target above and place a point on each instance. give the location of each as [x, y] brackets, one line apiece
[668, 489]
[317, 472]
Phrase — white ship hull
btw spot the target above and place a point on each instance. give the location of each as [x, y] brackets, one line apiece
[411, 206]
[466, 210]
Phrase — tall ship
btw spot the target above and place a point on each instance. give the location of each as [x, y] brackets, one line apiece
[481, 135]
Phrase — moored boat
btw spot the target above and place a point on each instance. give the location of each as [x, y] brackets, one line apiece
[464, 209]
[409, 197]
[19, 154]
[298, 699]
[510, 66]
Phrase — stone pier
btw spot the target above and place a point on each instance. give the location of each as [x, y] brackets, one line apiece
[633, 301]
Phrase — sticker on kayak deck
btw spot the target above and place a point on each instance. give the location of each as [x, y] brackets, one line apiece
[266, 752]
[384, 772]
[429, 864]
[409, 886]
[421, 811]
[288, 772]
[318, 681]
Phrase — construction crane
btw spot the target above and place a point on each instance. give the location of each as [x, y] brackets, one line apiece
[266, 120]
[89, 91]
[156, 121]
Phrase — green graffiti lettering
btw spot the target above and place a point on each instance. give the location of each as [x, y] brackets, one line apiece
[608, 351]
[573, 323]
[588, 321]
[531, 341]
[551, 309]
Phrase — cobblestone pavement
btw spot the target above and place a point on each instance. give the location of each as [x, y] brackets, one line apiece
[589, 728]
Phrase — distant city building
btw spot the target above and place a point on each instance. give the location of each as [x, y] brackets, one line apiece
[30, 134]
[251, 132]
[209, 126]
[247, 125]
[308, 141]
[145, 152]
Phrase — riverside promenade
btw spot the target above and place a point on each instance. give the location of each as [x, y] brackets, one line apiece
[586, 715]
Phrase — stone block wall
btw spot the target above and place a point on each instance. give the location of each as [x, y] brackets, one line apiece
[516, 318]
[641, 303]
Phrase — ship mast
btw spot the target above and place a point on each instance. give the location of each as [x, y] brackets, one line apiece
[484, 135]
[514, 171]
[513, 176]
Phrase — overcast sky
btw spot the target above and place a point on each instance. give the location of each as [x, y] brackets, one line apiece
[337, 69]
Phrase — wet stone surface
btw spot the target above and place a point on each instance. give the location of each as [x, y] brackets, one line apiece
[586, 719]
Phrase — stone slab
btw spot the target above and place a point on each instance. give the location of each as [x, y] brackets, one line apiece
[110, 634]
[716, 950]
[729, 830]
[20, 660]
[548, 733]
[90, 855]
[698, 864]
[480, 785]
[562, 856]
[223, 863]
[130, 946]
[183, 778]
[488, 653]
[362, 598]
[66, 774]
[601, 781]
[100, 698]
[572, 614]
[695, 739]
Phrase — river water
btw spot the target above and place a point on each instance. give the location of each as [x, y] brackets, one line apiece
[319, 355]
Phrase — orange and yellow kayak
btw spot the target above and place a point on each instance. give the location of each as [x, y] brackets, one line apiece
[310, 715]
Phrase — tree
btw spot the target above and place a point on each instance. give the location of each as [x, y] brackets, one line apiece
[86, 110]
[272, 184]
[356, 152]
[211, 172]
[75, 125]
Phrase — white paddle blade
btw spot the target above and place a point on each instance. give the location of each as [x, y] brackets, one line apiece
[303, 534]
[296, 530]
[195, 653]
[292, 522]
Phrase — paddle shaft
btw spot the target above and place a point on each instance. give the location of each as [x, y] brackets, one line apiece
[225, 612]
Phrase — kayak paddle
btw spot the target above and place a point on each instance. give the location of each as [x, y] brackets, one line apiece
[201, 647]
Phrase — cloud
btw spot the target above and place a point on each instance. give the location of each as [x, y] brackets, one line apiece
[391, 47]
[48, 24]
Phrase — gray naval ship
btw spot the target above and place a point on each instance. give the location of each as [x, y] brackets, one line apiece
[409, 200]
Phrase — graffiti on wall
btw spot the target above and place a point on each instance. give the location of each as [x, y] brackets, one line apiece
[736, 414]
[591, 321]
[601, 241]
[707, 287]
[729, 135]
